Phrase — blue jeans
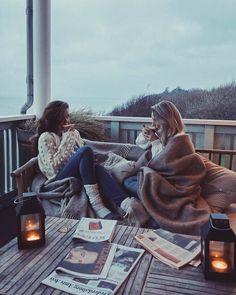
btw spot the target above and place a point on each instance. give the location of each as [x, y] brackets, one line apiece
[109, 186]
[81, 165]
[131, 185]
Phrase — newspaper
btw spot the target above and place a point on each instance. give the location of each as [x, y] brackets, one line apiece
[88, 260]
[173, 249]
[95, 230]
[123, 262]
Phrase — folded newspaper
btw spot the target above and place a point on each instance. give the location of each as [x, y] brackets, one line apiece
[88, 260]
[173, 249]
[123, 262]
[95, 230]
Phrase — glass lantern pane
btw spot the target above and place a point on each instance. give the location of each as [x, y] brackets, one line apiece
[221, 256]
[31, 227]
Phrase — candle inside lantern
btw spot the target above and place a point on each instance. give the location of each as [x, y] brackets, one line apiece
[219, 265]
[30, 217]
[32, 236]
[31, 228]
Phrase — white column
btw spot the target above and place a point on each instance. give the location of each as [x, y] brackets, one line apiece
[42, 54]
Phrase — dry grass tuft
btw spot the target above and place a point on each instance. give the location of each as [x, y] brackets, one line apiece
[88, 126]
[84, 121]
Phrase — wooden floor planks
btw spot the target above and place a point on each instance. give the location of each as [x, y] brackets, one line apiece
[21, 272]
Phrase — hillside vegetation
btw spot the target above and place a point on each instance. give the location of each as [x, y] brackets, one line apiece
[217, 103]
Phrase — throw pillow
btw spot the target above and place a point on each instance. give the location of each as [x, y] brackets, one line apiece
[119, 167]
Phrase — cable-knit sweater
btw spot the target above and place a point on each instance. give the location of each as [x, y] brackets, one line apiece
[55, 151]
[156, 146]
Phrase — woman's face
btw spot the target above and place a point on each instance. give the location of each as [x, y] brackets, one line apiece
[65, 119]
[155, 122]
[82, 256]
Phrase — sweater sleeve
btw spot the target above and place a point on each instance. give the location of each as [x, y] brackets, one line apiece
[53, 152]
[156, 147]
[142, 142]
[78, 139]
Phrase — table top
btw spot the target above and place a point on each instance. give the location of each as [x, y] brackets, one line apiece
[21, 271]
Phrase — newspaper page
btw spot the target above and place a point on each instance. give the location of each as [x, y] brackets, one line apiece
[88, 260]
[95, 230]
[123, 262]
[173, 249]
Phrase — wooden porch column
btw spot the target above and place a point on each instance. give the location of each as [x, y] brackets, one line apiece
[42, 55]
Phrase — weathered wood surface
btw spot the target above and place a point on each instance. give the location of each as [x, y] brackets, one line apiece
[21, 272]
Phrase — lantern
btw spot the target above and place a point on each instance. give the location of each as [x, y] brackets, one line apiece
[218, 248]
[30, 220]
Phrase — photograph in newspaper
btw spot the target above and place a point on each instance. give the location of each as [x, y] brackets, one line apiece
[123, 262]
[173, 249]
[88, 260]
[95, 230]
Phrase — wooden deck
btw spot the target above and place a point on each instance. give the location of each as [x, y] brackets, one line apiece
[21, 272]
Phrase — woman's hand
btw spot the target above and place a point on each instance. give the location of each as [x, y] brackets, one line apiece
[149, 133]
[69, 127]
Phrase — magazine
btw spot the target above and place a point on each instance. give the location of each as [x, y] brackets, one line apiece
[95, 230]
[88, 260]
[173, 249]
[123, 262]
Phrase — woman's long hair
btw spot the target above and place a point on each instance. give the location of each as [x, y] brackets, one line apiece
[50, 121]
[169, 118]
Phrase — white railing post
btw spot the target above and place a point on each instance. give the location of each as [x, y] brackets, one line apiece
[209, 137]
[42, 54]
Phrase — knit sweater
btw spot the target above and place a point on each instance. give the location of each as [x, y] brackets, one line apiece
[156, 146]
[55, 151]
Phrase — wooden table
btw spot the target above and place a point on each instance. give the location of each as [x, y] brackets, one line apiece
[21, 272]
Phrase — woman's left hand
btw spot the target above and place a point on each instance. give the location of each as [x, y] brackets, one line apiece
[149, 134]
[69, 127]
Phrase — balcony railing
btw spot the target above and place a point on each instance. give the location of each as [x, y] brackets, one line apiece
[204, 134]
[207, 134]
[9, 151]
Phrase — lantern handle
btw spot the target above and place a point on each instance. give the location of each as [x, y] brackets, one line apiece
[217, 228]
[22, 199]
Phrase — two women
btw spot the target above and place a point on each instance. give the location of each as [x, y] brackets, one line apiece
[166, 178]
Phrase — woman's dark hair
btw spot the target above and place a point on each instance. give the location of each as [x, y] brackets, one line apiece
[50, 121]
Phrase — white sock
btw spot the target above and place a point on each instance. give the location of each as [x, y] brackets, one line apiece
[125, 205]
[95, 200]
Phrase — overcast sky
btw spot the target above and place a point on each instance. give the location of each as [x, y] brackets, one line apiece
[119, 49]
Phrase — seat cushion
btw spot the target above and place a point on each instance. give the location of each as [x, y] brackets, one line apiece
[231, 213]
[219, 186]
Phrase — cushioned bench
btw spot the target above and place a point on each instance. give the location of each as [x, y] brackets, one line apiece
[224, 179]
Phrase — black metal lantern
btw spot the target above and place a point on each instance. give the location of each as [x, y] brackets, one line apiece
[218, 248]
[30, 220]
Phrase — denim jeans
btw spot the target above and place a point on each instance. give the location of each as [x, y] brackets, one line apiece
[110, 188]
[131, 185]
[81, 165]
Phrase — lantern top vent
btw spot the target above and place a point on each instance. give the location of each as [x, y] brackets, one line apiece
[219, 221]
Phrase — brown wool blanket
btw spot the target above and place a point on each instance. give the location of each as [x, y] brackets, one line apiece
[170, 187]
[62, 198]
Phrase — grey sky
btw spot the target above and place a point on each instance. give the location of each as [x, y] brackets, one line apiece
[122, 48]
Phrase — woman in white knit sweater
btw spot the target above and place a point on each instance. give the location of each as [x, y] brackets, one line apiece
[62, 153]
